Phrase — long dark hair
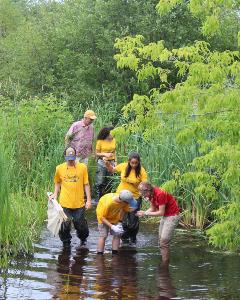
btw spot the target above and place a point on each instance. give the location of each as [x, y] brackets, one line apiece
[104, 133]
[129, 168]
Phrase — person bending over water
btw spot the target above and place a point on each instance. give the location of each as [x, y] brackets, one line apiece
[165, 205]
[110, 211]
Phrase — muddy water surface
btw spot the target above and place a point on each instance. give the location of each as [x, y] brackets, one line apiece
[195, 272]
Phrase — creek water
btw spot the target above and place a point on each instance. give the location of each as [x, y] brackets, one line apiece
[195, 271]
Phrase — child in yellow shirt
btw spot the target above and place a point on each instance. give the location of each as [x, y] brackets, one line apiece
[110, 211]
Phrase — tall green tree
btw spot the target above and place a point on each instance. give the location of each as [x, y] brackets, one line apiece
[205, 104]
[66, 48]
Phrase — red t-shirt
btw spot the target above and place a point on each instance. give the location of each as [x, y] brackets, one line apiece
[161, 197]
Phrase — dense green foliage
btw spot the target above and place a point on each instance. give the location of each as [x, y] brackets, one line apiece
[205, 108]
[32, 132]
[32, 143]
[58, 58]
[66, 48]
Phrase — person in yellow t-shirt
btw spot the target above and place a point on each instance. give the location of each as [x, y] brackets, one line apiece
[105, 149]
[71, 179]
[132, 174]
[110, 211]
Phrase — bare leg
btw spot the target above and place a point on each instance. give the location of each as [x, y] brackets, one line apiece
[101, 244]
[115, 242]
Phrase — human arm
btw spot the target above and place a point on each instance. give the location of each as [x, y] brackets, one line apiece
[159, 212]
[88, 195]
[116, 228]
[110, 167]
[105, 221]
[104, 154]
[69, 135]
[56, 191]
[152, 211]
[67, 140]
[57, 185]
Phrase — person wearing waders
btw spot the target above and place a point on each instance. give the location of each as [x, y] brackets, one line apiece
[110, 211]
[105, 149]
[132, 174]
[165, 205]
[71, 180]
[80, 136]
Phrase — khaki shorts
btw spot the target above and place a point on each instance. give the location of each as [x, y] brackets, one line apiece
[104, 230]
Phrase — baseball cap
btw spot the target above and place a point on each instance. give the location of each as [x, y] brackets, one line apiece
[90, 114]
[127, 196]
[70, 154]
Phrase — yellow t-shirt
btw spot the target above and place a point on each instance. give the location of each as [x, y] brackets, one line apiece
[107, 146]
[131, 182]
[110, 209]
[72, 181]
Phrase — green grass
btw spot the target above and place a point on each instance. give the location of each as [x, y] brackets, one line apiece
[27, 168]
[27, 173]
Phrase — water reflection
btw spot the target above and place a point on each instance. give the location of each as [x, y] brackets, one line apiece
[164, 283]
[196, 272]
[108, 277]
[84, 276]
[116, 277]
[70, 280]
[160, 287]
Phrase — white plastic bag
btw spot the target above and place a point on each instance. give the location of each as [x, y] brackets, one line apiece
[56, 216]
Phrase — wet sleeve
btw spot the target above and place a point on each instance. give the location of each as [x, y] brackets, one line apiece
[85, 175]
[57, 178]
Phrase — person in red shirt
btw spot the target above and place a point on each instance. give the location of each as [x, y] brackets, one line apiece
[165, 205]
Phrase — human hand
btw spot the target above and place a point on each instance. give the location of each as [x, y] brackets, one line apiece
[51, 196]
[140, 213]
[107, 162]
[120, 227]
[116, 229]
[88, 204]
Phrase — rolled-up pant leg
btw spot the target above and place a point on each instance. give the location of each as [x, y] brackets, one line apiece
[80, 223]
[166, 231]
